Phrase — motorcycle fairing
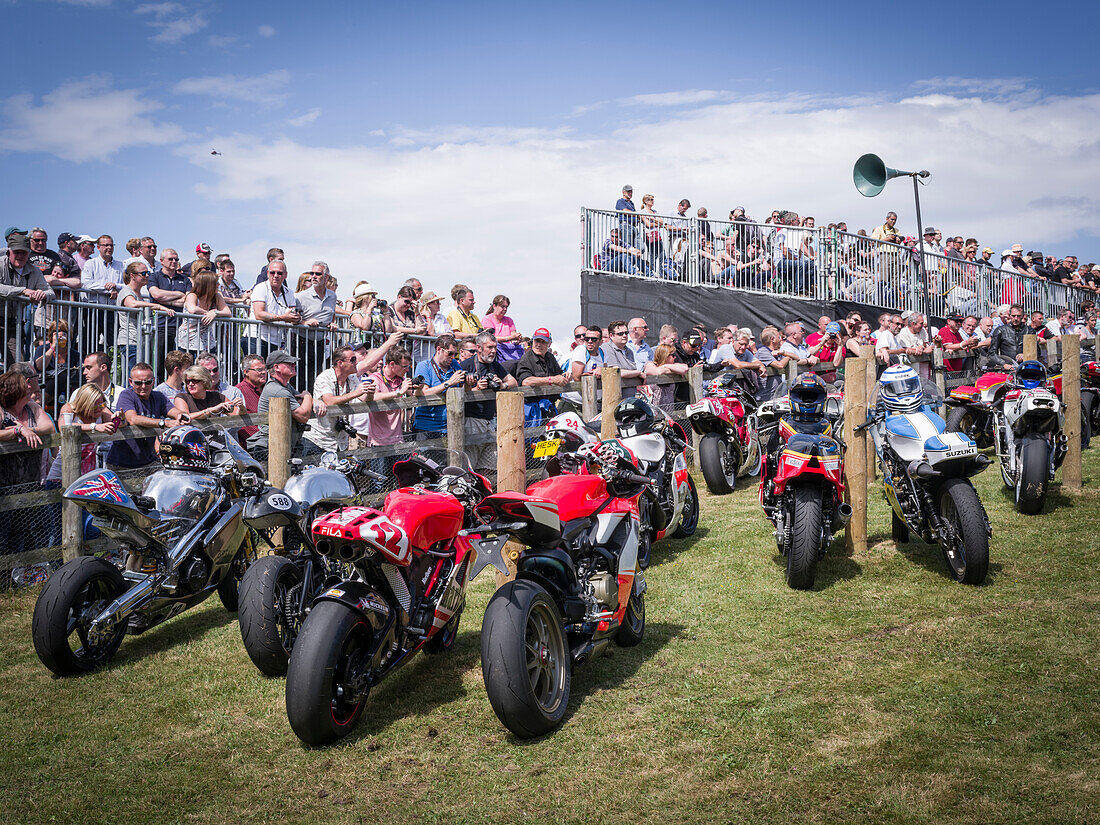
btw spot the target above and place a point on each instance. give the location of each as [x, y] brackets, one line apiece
[224, 539]
[648, 447]
[425, 516]
[101, 492]
[536, 508]
[576, 496]
[367, 525]
[918, 435]
[453, 597]
[823, 459]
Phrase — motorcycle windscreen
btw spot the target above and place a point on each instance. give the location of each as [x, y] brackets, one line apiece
[101, 492]
[181, 493]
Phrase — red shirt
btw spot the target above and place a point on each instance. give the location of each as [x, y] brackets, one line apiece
[251, 404]
[949, 337]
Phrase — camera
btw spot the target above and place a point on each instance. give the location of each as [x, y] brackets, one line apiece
[381, 302]
[495, 383]
[418, 381]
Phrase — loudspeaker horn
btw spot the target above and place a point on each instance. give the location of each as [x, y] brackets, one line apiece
[870, 174]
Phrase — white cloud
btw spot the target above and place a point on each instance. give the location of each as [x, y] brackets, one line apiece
[266, 31]
[975, 85]
[92, 3]
[689, 97]
[264, 90]
[308, 117]
[499, 208]
[84, 121]
[170, 21]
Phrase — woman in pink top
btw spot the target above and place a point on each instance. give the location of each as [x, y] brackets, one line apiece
[509, 347]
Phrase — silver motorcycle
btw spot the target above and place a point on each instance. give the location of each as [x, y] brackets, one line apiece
[180, 540]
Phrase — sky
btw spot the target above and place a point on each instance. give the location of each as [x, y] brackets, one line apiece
[458, 142]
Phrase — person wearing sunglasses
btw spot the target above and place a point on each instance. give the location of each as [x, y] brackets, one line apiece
[200, 400]
[142, 406]
[585, 360]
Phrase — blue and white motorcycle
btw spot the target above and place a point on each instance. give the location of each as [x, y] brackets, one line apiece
[926, 473]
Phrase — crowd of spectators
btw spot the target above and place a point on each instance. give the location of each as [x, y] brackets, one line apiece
[778, 255]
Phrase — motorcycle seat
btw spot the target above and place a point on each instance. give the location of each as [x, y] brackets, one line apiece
[990, 379]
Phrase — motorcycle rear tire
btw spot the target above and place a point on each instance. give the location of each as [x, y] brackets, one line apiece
[80, 584]
[229, 588]
[333, 638]
[645, 532]
[689, 517]
[899, 530]
[1090, 410]
[528, 693]
[807, 535]
[713, 450]
[267, 631]
[1032, 475]
[963, 420]
[632, 629]
[961, 507]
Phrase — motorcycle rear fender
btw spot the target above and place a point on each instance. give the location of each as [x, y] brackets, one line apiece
[552, 569]
[360, 597]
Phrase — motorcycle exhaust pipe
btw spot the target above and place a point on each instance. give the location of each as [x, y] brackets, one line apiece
[324, 547]
[586, 651]
[352, 551]
[842, 517]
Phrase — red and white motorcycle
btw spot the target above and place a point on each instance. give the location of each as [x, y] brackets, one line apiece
[412, 564]
[730, 445]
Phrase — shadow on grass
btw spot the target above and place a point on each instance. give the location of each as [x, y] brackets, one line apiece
[669, 549]
[190, 625]
[836, 565]
[610, 669]
[1055, 499]
[930, 557]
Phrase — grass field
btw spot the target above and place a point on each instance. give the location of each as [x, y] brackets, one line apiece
[889, 694]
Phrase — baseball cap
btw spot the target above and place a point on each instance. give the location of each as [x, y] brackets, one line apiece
[832, 328]
[18, 241]
[627, 187]
[954, 316]
[280, 357]
[905, 315]
[541, 334]
[987, 249]
[1095, 268]
[694, 338]
[13, 229]
[65, 237]
[85, 239]
[1007, 253]
[202, 247]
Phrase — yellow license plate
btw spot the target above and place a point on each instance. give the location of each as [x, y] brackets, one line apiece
[545, 449]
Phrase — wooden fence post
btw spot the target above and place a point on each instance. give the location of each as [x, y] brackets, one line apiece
[695, 393]
[1052, 352]
[511, 465]
[278, 441]
[72, 517]
[792, 372]
[868, 351]
[855, 457]
[456, 425]
[1031, 348]
[612, 381]
[1071, 401]
[940, 377]
[590, 406]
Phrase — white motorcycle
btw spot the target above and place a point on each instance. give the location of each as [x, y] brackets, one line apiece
[1029, 438]
[926, 474]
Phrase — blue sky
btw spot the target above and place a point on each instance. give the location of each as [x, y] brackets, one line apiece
[458, 141]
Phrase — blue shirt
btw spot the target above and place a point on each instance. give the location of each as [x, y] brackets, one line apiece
[624, 205]
[432, 419]
[137, 452]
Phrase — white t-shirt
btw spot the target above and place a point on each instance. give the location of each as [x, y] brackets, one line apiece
[884, 339]
[581, 355]
[276, 305]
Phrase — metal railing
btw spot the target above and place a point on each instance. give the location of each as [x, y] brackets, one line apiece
[810, 262]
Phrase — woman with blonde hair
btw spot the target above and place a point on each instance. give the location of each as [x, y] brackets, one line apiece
[199, 399]
[364, 303]
[197, 335]
[305, 281]
[664, 363]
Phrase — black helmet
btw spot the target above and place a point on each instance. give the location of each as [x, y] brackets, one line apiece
[808, 398]
[185, 448]
[723, 386]
[634, 416]
[1031, 374]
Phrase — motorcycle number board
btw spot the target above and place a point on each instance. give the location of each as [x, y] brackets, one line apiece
[545, 449]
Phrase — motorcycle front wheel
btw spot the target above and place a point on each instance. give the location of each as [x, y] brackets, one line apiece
[230, 586]
[715, 462]
[689, 516]
[325, 693]
[270, 594]
[524, 660]
[960, 507]
[69, 600]
[807, 535]
[1032, 475]
[632, 629]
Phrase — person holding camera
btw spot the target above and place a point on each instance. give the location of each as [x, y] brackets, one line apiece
[403, 315]
[484, 372]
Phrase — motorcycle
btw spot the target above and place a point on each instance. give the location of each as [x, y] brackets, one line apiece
[660, 445]
[926, 473]
[801, 485]
[180, 540]
[1090, 399]
[412, 566]
[971, 408]
[730, 446]
[278, 590]
[577, 585]
[1030, 443]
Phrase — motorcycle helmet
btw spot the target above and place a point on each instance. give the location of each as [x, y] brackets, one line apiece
[1031, 374]
[900, 389]
[634, 416]
[807, 397]
[185, 448]
[723, 386]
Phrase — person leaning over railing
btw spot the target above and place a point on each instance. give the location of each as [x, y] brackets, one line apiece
[316, 304]
[273, 301]
[134, 280]
[336, 385]
[281, 369]
[18, 277]
[439, 374]
[254, 372]
[200, 400]
[142, 406]
[233, 293]
[484, 372]
[24, 421]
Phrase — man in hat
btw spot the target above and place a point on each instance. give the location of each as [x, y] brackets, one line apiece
[281, 370]
[951, 336]
[85, 248]
[202, 251]
[985, 261]
[66, 249]
[628, 224]
[18, 277]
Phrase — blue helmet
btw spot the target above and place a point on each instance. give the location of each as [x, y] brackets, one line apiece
[807, 397]
[1031, 374]
[900, 389]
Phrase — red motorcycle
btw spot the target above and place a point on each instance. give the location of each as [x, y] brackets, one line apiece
[730, 446]
[801, 486]
[1090, 399]
[412, 565]
[972, 408]
[577, 587]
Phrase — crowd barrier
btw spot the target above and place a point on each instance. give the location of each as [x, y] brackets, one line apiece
[817, 263]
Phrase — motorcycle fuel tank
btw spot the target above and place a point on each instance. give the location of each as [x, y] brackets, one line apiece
[915, 436]
[320, 484]
[648, 447]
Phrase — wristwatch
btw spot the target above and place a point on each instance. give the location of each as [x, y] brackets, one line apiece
[162, 423]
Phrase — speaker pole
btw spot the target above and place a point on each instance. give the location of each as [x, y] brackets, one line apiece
[921, 274]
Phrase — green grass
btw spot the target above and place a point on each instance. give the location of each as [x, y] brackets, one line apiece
[889, 694]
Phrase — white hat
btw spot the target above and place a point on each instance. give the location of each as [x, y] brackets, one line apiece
[363, 289]
[85, 239]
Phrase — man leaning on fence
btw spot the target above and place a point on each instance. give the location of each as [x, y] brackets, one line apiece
[18, 277]
[440, 373]
[484, 372]
[336, 385]
[142, 406]
[281, 369]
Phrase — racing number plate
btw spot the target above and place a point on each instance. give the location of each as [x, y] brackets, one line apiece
[545, 449]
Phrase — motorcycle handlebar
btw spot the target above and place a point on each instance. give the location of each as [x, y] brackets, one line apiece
[637, 479]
